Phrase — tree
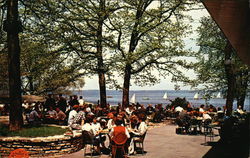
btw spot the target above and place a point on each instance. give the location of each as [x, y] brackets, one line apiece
[45, 70]
[3, 51]
[148, 36]
[12, 26]
[79, 26]
[219, 68]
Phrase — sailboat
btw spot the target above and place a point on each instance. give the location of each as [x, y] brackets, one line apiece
[196, 96]
[165, 96]
[132, 99]
[218, 95]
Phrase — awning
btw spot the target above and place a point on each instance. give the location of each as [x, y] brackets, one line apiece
[233, 17]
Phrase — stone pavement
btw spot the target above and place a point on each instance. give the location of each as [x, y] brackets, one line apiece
[162, 142]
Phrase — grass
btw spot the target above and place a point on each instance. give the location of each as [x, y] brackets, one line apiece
[41, 131]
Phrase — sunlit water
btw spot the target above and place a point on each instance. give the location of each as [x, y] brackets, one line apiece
[155, 97]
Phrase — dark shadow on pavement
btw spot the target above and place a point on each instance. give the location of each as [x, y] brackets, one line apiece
[234, 142]
[228, 150]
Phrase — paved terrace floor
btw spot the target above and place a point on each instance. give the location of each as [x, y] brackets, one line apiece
[162, 142]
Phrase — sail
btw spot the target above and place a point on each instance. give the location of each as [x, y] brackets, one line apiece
[218, 95]
[165, 96]
[132, 100]
[196, 96]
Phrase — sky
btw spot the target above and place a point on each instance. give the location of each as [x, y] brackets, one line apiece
[165, 83]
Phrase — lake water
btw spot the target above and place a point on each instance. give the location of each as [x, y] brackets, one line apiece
[154, 97]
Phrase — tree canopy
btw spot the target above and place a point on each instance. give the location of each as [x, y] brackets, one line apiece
[211, 62]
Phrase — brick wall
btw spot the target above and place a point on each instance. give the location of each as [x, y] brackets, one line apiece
[42, 146]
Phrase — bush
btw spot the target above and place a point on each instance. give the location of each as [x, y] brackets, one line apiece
[179, 102]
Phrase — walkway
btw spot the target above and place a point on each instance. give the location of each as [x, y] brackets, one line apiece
[162, 142]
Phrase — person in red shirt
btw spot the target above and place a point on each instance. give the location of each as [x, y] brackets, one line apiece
[119, 135]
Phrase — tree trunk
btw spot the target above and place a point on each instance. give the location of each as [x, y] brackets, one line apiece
[126, 85]
[102, 87]
[242, 89]
[12, 28]
[230, 79]
[31, 86]
[101, 68]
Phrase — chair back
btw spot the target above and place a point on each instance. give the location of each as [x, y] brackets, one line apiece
[142, 137]
[87, 137]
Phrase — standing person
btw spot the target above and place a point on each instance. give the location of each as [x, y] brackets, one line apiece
[70, 102]
[72, 114]
[81, 101]
[62, 103]
[75, 100]
[49, 102]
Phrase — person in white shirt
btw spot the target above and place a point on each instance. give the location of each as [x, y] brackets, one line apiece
[201, 109]
[111, 122]
[239, 110]
[129, 110]
[142, 129]
[88, 126]
[96, 125]
[72, 114]
[81, 101]
[206, 116]
[178, 109]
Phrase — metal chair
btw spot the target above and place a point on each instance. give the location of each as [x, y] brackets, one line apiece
[119, 142]
[209, 131]
[88, 139]
[140, 140]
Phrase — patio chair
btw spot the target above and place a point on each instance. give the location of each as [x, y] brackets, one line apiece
[209, 131]
[140, 140]
[88, 139]
[119, 143]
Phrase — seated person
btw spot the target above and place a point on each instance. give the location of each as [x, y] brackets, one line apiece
[111, 122]
[51, 115]
[35, 116]
[138, 133]
[142, 128]
[240, 110]
[92, 132]
[206, 116]
[60, 116]
[98, 136]
[150, 109]
[129, 110]
[78, 120]
[133, 122]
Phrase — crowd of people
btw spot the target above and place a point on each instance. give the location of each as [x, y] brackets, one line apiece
[78, 115]
[130, 121]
